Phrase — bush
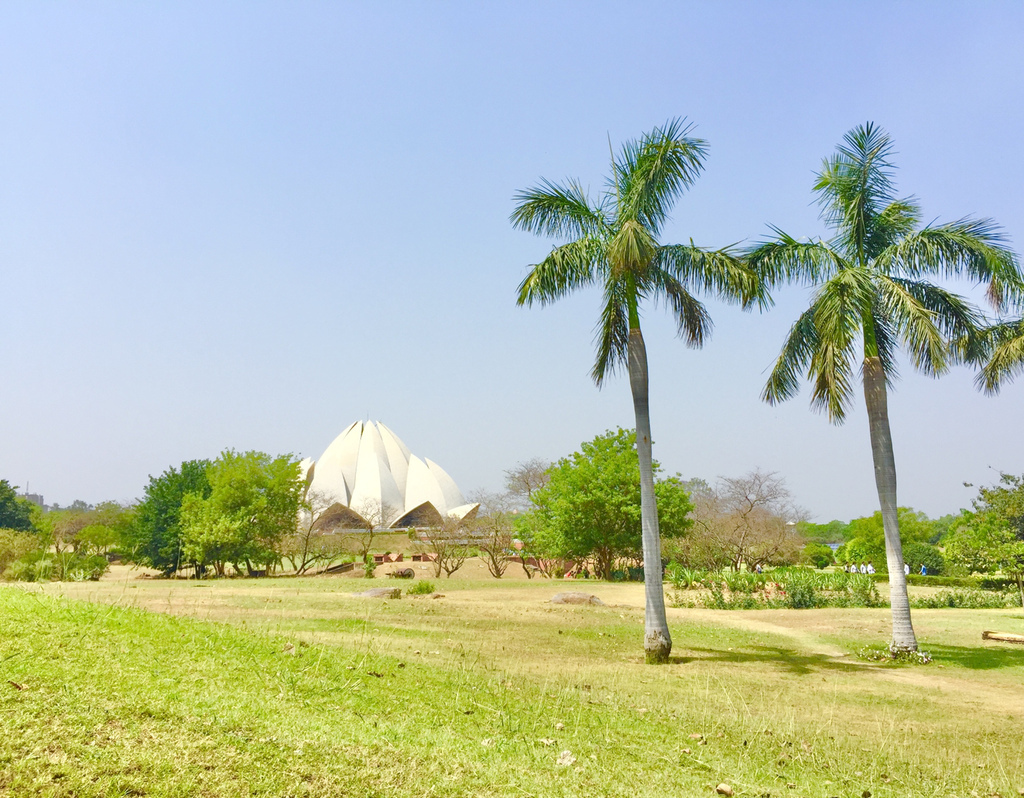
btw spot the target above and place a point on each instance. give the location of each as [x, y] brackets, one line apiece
[801, 595]
[793, 588]
[683, 578]
[42, 566]
[423, 588]
[14, 545]
[917, 554]
[965, 600]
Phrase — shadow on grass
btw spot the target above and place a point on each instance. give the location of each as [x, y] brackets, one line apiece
[793, 661]
[993, 655]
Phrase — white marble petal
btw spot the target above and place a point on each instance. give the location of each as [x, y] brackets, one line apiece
[422, 487]
[452, 495]
[375, 491]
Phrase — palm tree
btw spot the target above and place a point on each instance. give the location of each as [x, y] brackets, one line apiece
[613, 243]
[869, 298]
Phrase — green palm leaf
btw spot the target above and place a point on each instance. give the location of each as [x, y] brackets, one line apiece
[719, 273]
[653, 172]
[567, 268]
[557, 211]
[785, 260]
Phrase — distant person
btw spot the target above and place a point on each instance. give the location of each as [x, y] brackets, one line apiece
[906, 569]
[863, 568]
[924, 570]
[758, 568]
[871, 567]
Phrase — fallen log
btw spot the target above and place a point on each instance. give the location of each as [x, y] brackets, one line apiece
[1004, 637]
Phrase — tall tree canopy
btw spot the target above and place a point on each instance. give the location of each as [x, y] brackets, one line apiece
[154, 538]
[613, 243]
[871, 297]
[252, 505]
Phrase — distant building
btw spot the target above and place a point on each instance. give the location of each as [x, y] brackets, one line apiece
[35, 498]
[372, 478]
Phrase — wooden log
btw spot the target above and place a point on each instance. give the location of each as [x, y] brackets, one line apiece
[1004, 637]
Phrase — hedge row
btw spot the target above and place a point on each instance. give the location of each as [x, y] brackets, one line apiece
[977, 582]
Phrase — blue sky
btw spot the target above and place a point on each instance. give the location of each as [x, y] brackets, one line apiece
[247, 225]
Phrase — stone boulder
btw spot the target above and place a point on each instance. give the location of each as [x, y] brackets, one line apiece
[576, 597]
[381, 592]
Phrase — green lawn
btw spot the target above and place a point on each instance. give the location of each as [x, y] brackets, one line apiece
[294, 687]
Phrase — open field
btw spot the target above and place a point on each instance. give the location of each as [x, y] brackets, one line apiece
[295, 687]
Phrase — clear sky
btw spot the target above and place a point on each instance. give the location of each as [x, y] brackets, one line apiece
[248, 224]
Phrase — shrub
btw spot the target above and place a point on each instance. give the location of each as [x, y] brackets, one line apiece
[917, 554]
[423, 588]
[42, 566]
[800, 594]
[14, 545]
[965, 600]
[683, 578]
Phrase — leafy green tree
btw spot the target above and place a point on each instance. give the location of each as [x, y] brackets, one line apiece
[817, 554]
[591, 505]
[613, 243]
[918, 554]
[153, 538]
[253, 505]
[991, 538]
[870, 297]
[833, 532]
[15, 512]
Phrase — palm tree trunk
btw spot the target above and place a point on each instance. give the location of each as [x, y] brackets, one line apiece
[657, 641]
[903, 638]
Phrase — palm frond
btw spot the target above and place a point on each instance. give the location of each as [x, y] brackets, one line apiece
[557, 211]
[887, 344]
[651, 173]
[720, 273]
[975, 247]
[913, 309]
[855, 185]
[896, 221]
[801, 342]
[612, 334]
[841, 305]
[1002, 345]
[693, 322]
[568, 267]
[785, 260]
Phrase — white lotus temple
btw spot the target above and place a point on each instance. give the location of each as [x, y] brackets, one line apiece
[370, 477]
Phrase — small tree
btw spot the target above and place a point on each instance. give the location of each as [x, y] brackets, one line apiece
[375, 515]
[496, 534]
[309, 547]
[448, 543]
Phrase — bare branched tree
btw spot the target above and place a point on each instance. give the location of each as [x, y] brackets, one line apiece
[376, 515]
[749, 519]
[310, 546]
[449, 543]
[524, 480]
